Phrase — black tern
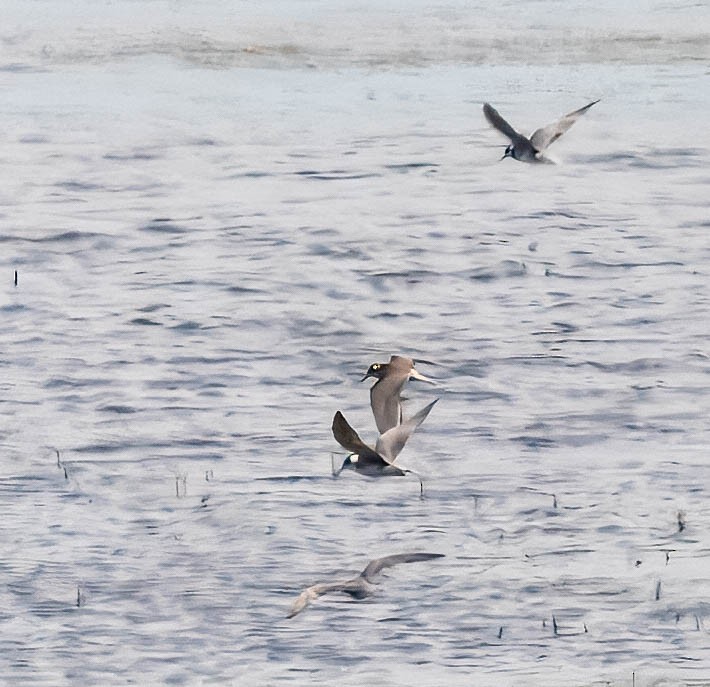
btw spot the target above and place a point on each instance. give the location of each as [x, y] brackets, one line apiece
[359, 587]
[531, 149]
[385, 393]
[377, 462]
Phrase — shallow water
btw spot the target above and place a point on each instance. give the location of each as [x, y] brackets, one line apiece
[215, 234]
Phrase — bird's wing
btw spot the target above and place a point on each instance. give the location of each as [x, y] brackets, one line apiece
[547, 135]
[348, 438]
[378, 564]
[401, 362]
[311, 594]
[415, 374]
[385, 401]
[497, 122]
[390, 444]
[406, 365]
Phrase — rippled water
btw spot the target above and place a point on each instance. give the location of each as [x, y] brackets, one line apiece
[221, 215]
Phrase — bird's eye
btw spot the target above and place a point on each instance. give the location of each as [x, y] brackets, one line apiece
[376, 366]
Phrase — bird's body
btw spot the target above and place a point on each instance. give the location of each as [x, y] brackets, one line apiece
[532, 149]
[378, 461]
[359, 587]
[385, 393]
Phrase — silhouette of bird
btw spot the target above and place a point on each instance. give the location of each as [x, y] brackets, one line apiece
[358, 587]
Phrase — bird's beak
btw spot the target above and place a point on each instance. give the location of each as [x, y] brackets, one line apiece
[366, 377]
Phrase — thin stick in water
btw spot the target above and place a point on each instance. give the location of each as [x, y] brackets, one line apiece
[421, 484]
[335, 472]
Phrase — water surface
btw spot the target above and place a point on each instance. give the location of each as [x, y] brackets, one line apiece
[221, 216]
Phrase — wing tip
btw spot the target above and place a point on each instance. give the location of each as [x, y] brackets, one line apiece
[340, 424]
[304, 598]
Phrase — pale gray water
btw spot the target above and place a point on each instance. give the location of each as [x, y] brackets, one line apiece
[220, 217]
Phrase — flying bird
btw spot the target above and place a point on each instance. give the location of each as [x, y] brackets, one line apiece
[531, 149]
[359, 587]
[385, 393]
[377, 462]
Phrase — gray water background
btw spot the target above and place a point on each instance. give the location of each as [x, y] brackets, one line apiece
[221, 213]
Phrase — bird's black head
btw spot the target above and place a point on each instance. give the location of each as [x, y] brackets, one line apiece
[349, 463]
[509, 152]
[378, 370]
